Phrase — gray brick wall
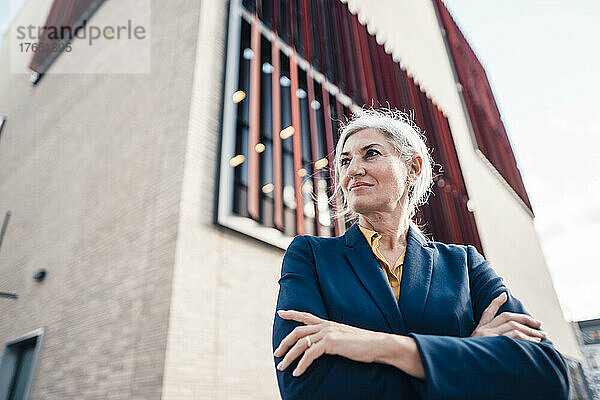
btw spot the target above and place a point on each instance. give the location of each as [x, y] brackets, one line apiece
[91, 168]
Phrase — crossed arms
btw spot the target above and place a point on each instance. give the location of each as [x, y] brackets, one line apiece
[507, 357]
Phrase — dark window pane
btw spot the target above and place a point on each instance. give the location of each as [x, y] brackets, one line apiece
[267, 12]
[250, 5]
[23, 370]
[289, 194]
[286, 99]
[246, 55]
[299, 31]
[240, 199]
[266, 169]
[302, 95]
[241, 171]
[332, 42]
[266, 93]
[243, 112]
[316, 36]
[284, 20]
[334, 119]
[317, 106]
[266, 211]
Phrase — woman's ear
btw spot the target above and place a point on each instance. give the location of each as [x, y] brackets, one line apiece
[415, 166]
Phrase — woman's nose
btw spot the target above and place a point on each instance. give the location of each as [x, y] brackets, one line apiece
[355, 167]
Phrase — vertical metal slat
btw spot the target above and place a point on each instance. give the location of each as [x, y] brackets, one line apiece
[254, 122]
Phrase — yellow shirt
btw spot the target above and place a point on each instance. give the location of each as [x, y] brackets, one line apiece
[394, 275]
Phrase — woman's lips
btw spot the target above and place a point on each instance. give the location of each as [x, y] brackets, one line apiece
[360, 186]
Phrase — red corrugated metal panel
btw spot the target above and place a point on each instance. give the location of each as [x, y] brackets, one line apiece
[379, 84]
[363, 62]
[488, 127]
[351, 83]
[387, 75]
[305, 29]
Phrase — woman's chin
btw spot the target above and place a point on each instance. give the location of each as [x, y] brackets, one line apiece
[362, 206]
[373, 205]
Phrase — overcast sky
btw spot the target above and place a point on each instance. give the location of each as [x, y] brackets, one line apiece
[5, 16]
[8, 11]
[542, 58]
[543, 61]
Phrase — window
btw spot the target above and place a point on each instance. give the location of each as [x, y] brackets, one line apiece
[490, 138]
[2, 123]
[18, 366]
[296, 69]
[578, 383]
[590, 331]
[4, 226]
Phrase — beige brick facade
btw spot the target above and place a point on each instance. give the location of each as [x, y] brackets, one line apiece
[91, 168]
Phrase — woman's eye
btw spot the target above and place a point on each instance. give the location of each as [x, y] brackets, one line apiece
[371, 153]
[344, 161]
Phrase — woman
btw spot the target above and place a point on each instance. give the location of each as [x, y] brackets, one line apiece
[381, 312]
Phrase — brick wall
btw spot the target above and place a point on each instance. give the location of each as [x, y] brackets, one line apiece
[91, 169]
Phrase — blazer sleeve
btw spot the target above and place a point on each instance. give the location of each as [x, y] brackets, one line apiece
[490, 368]
[328, 377]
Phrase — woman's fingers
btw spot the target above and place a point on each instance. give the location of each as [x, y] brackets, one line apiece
[295, 343]
[524, 329]
[517, 334]
[295, 351]
[488, 315]
[301, 346]
[513, 330]
[490, 312]
[523, 319]
[514, 325]
[300, 316]
[292, 338]
[310, 355]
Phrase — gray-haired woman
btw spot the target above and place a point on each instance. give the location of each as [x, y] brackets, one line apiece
[381, 312]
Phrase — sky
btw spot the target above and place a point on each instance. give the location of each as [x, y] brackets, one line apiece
[542, 58]
[8, 11]
[543, 61]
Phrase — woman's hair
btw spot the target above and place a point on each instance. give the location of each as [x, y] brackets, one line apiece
[408, 140]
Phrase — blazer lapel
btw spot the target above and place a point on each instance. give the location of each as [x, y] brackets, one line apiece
[361, 258]
[416, 279]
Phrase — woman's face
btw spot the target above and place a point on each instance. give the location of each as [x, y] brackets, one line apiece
[373, 176]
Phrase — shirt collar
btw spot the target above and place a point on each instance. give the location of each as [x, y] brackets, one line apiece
[369, 234]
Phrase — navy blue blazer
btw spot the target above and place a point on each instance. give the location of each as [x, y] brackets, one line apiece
[444, 290]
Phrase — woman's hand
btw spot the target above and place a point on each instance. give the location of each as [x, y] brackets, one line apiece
[318, 336]
[514, 325]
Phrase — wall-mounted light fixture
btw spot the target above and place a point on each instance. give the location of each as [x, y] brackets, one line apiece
[39, 275]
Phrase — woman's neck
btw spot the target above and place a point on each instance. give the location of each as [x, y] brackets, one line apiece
[393, 230]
